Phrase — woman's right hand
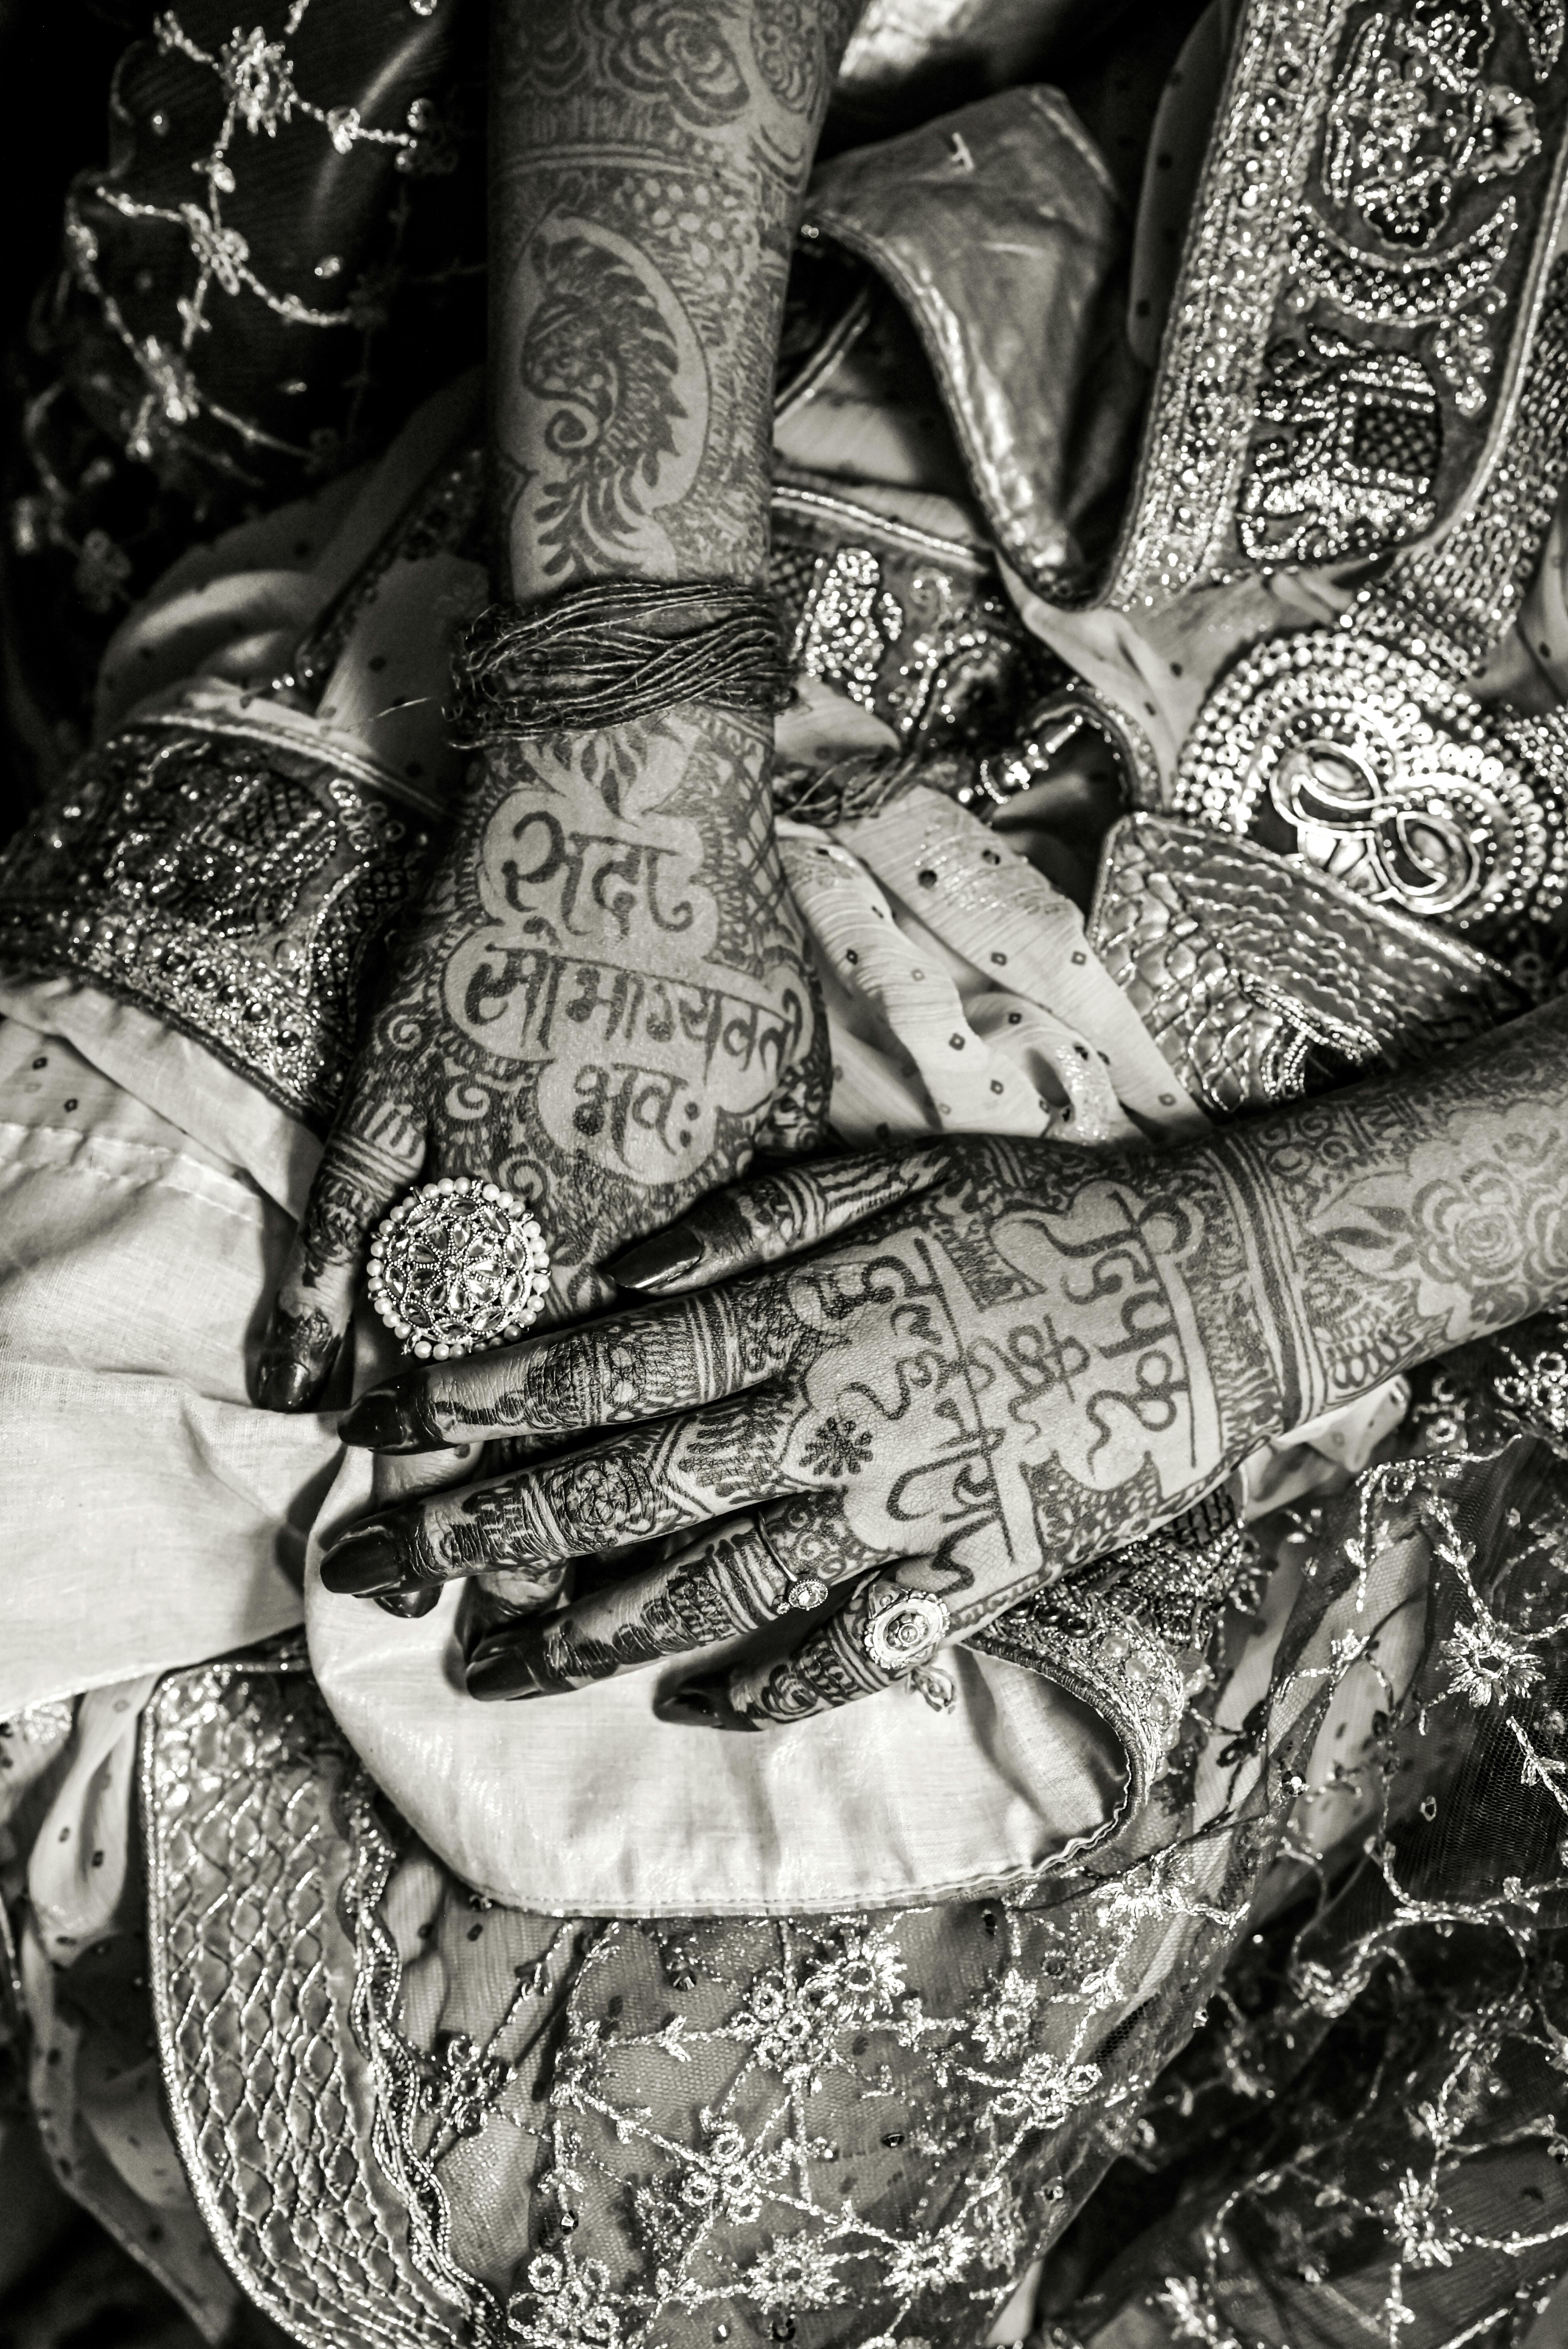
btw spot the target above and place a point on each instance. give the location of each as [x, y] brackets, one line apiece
[604, 1003]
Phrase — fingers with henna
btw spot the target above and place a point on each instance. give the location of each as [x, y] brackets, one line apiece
[772, 1217]
[630, 1488]
[644, 1364]
[738, 1576]
[889, 1625]
[372, 1155]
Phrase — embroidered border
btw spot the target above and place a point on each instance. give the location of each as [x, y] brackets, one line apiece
[233, 881]
[1334, 381]
[276, 1993]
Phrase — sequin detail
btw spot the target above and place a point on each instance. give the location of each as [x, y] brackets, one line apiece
[1371, 765]
[233, 880]
[1360, 285]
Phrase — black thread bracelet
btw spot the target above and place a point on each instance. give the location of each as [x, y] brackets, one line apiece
[601, 656]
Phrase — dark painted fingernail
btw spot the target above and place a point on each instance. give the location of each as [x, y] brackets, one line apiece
[411, 1604]
[702, 1703]
[396, 1418]
[285, 1385]
[653, 1262]
[501, 1669]
[366, 1563]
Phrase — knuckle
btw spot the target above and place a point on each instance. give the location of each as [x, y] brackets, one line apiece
[559, 1384]
[601, 1500]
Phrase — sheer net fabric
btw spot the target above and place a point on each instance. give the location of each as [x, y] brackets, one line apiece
[863, 2128]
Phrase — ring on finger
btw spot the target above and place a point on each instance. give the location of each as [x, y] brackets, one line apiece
[904, 1628]
[458, 1267]
[804, 1587]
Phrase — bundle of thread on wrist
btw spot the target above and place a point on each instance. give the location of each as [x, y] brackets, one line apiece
[861, 784]
[602, 656]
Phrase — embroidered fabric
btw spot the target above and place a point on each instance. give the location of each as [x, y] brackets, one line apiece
[1348, 2145]
[232, 874]
[1360, 750]
[738, 2118]
[831, 2128]
[1360, 289]
[1260, 979]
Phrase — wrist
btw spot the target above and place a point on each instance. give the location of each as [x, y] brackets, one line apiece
[1393, 1220]
[609, 662]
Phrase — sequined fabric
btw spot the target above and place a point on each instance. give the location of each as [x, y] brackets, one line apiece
[1260, 979]
[232, 877]
[282, 253]
[1360, 288]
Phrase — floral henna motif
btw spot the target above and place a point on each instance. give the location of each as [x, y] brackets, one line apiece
[605, 999]
[1428, 1210]
[600, 356]
[674, 53]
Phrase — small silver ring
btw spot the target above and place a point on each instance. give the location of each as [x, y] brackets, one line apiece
[905, 1629]
[803, 1590]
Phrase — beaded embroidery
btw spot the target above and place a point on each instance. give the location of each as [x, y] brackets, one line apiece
[258, 92]
[1370, 764]
[1357, 749]
[1372, 224]
[231, 879]
[914, 627]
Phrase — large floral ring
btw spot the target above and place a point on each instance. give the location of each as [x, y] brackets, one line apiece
[907, 1629]
[458, 1267]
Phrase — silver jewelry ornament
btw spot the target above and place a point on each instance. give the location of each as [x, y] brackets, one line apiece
[1386, 775]
[458, 1267]
[905, 1629]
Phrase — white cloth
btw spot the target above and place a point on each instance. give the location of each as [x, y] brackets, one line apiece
[153, 1517]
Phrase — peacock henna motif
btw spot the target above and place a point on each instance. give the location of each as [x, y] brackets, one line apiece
[604, 1003]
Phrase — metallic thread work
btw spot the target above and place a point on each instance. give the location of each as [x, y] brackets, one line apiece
[233, 881]
[1342, 357]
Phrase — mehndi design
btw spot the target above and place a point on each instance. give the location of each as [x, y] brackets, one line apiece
[980, 1363]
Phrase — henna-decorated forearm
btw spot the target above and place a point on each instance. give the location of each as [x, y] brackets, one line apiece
[606, 1001]
[1389, 1222]
[648, 162]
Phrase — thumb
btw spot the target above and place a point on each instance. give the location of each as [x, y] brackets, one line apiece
[778, 1215]
[373, 1154]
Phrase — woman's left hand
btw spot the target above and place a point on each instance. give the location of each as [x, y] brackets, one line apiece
[966, 1366]
[998, 1357]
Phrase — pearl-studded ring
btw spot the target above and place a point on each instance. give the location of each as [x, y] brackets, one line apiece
[458, 1267]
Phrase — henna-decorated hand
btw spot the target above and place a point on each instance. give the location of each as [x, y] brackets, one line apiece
[950, 1372]
[998, 1357]
[604, 1003]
